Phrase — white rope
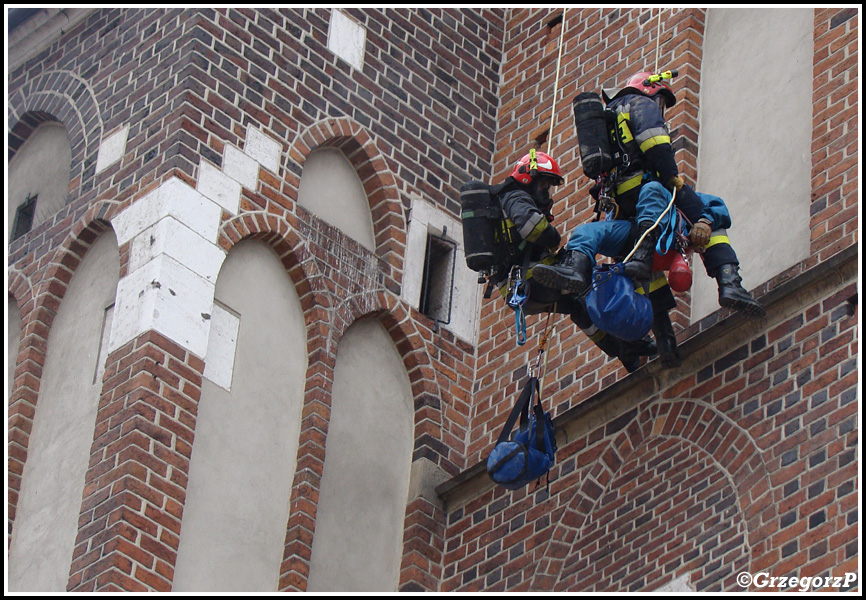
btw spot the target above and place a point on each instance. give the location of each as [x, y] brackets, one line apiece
[658, 38]
[645, 233]
[556, 82]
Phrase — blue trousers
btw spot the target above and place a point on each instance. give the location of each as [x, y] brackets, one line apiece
[610, 237]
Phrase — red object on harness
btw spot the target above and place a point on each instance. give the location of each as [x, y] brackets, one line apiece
[679, 272]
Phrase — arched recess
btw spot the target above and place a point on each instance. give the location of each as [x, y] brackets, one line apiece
[357, 544]
[57, 449]
[330, 189]
[379, 183]
[38, 178]
[727, 445]
[246, 439]
[63, 96]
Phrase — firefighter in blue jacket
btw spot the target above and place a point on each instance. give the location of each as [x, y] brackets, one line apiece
[641, 191]
[533, 240]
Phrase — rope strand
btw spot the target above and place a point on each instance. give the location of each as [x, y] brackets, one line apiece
[556, 82]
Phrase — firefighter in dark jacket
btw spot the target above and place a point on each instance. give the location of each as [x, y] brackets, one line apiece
[642, 184]
[533, 240]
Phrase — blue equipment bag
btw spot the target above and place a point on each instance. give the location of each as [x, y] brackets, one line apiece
[615, 307]
[531, 453]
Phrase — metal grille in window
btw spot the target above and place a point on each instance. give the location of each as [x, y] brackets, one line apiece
[438, 284]
[24, 217]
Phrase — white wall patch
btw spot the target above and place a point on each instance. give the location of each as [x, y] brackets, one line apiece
[175, 199]
[263, 149]
[219, 187]
[221, 346]
[163, 296]
[112, 149]
[240, 167]
[347, 39]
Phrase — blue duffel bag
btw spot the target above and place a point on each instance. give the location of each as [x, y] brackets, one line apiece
[615, 307]
[530, 454]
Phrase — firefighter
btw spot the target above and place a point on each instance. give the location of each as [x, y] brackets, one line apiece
[533, 240]
[652, 173]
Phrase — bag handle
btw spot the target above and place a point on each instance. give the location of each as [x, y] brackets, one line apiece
[521, 409]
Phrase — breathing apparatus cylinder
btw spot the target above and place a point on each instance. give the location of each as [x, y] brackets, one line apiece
[593, 136]
[480, 215]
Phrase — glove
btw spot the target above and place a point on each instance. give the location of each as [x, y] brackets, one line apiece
[700, 233]
[676, 182]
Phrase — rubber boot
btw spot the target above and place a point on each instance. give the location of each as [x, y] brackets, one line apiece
[733, 295]
[640, 266]
[571, 274]
[666, 340]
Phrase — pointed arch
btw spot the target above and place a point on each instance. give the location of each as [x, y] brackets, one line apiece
[728, 446]
[59, 95]
[39, 302]
[379, 183]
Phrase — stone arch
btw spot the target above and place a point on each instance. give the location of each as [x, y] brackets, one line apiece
[692, 421]
[379, 183]
[59, 95]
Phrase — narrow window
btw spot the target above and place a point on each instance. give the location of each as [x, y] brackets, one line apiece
[24, 217]
[438, 283]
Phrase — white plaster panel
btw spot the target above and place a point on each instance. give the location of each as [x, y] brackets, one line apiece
[173, 198]
[347, 39]
[240, 167]
[164, 296]
[219, 187]
[263, 149]
[172, 238]
[111, 149]
[221, 346]
[755, 149]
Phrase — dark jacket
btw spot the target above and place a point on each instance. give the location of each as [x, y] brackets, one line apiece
[647, 143]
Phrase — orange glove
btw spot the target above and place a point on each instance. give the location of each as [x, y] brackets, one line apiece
[700, 233]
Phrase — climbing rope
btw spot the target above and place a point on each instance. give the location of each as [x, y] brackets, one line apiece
[556, 81]
[658, 39]
[542, 346]
[645, 233]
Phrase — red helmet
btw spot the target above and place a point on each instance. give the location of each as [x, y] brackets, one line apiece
[640, 83]
[537, 164]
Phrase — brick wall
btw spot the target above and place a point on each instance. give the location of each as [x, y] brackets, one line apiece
[419, 119]
[746, 456]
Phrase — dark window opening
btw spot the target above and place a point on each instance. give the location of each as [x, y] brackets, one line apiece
[438, 283]
[554, 26]
[24, 217]
[541, 139]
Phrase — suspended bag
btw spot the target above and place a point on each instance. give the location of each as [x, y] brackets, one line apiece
[615, 307]
[530, 454]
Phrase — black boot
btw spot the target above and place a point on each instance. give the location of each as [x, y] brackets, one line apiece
[666, 340]
[640, 266]
[733, 295]
[572, 274]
